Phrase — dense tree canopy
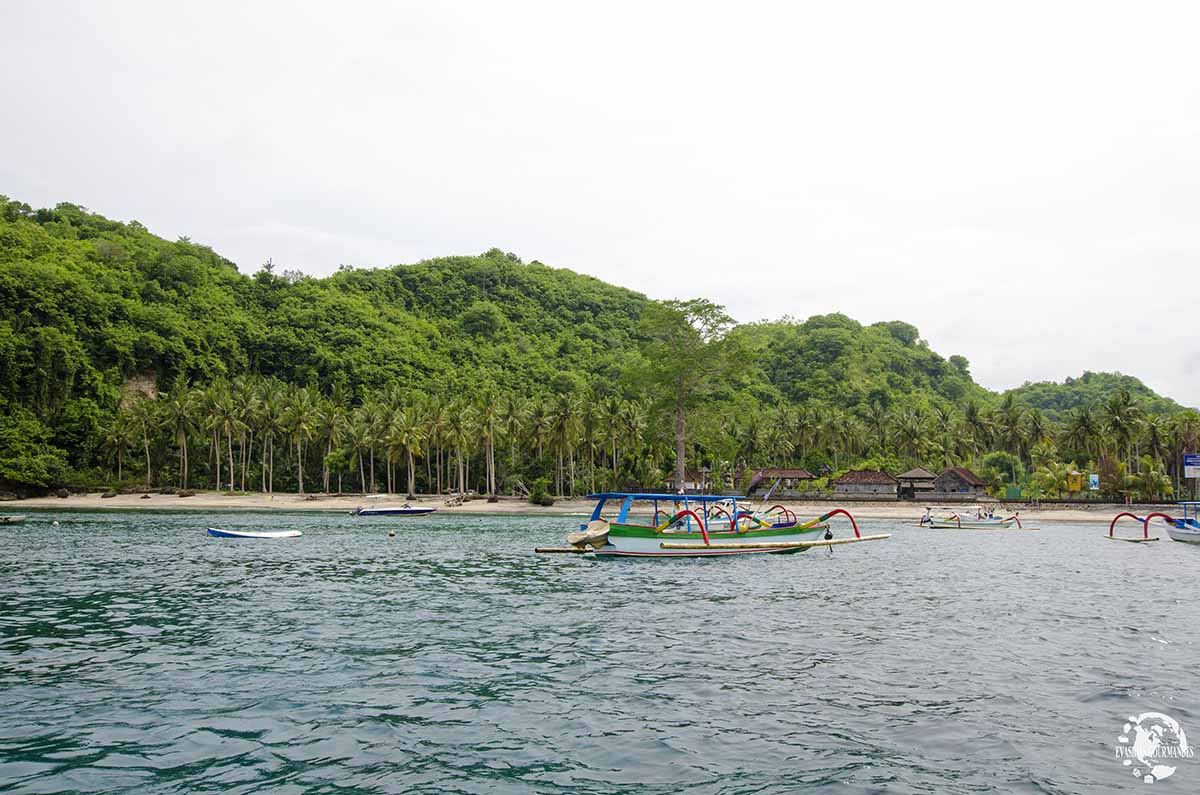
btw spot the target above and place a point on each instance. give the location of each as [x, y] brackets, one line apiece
[126, 357]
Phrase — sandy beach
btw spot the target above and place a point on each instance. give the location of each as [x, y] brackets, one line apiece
[219, 501]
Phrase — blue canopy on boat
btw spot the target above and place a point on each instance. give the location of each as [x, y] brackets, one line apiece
[615, 495]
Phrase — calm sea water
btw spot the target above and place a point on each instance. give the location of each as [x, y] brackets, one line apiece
[139, 655]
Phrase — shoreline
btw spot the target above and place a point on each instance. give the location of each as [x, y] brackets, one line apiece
[506, 506]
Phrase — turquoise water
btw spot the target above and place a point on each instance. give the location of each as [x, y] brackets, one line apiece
[139, 655]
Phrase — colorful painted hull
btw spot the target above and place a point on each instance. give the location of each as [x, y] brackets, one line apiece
[638, 541]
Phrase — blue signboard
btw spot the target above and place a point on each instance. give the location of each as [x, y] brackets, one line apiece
[1191, 465]
[1094, 482]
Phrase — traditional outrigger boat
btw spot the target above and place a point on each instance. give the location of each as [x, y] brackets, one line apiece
[11, 519]
[1184, 528]
[969, 519]
[668, 525]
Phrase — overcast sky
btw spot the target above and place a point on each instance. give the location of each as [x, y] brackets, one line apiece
[1019, 180]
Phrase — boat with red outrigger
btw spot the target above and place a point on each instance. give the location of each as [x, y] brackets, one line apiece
[648, 525]
[1184, 528]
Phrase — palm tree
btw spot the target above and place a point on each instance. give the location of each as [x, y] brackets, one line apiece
[299, 418]
[271, 424]
[142, 416]
[514, 413]
[460, 420]
[1082, 431]
[1010, 420]
[224, 416]
[612, 426]
[876, 417]
[361, 440]
[406, 434]
[117, 439]
[563, 426]
[1121, 417]
[488, 416]
[179, 413]
[245, 406]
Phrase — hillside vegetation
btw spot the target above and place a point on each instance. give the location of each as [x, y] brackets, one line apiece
[118, 348]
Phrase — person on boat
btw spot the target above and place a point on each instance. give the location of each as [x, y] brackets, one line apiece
[927, 518]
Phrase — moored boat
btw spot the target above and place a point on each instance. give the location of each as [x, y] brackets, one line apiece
[667, 525]
[1186, 528]
[12, 519]
[400, 510]
[218, 533]
[969, 519]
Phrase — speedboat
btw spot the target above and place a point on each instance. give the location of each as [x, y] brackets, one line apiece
[218, 533]
[668, 525]
[402, 510]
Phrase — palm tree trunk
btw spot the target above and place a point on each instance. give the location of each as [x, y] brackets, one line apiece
[232, 472]
[372, 469]
[412, 477]
[300, 466]
[362, 475]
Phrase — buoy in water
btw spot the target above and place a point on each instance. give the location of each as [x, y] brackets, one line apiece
[55, 523]
[391, 533]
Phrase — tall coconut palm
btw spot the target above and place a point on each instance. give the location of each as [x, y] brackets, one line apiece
[459, 431]
[179, 414]
[488, 418]
[331, 427]
[143, 416]
[514, 413]
[563, 425]
[244, 392]
[406, 435]
[271, 417]
[118, 437]
[361, 438]
[299, 419]
[1082, 431]
[224, 416]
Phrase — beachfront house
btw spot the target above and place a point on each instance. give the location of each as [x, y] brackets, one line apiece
[916, 482]
[958, 481]
[694, 482]
[792, 481]
[866, 483]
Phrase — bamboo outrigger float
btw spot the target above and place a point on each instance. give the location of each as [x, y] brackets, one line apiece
[689, 525]
[1185, 528]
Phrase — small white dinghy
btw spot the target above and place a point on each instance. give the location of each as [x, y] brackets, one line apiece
[213, 531]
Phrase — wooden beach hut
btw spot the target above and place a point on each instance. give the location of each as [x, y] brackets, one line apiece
[916, 482]
[866, 483]
[958, 481]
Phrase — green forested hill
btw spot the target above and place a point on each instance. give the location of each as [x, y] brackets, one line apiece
[471, 352]
[1090, 389]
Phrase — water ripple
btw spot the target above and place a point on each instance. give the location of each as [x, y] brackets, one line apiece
[138, 655]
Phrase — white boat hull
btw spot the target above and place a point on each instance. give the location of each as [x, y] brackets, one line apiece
[971, 524]
[218, 533]
[1187, 535]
